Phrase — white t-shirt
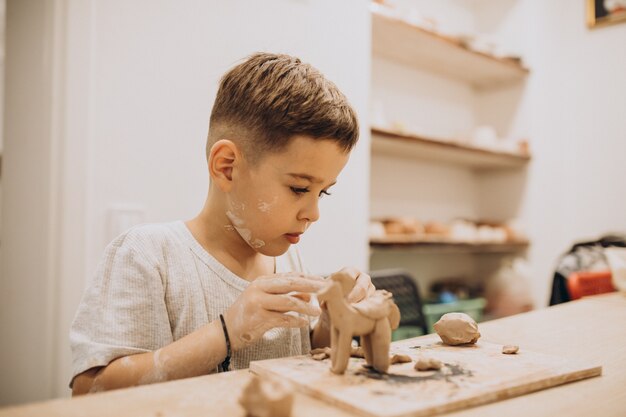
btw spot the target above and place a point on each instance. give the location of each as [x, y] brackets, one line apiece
[156, 284]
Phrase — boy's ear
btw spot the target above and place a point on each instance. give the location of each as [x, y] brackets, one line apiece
[223, 158]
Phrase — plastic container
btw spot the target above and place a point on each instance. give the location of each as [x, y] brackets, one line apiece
[473, 307]
[406, 332]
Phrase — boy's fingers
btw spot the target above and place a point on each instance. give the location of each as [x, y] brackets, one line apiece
[304, 296]
[286, 320]
[371, 290]
[284, 303]
[357, 294]
[361, 288]
[284, 285]
[353, 272]
[295, 275]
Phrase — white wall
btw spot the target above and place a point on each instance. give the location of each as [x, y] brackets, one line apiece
[436, 106]
[126, 90]
[2, 29]
[26, 285]
[577, 181]
[571, 110]
[158, 149]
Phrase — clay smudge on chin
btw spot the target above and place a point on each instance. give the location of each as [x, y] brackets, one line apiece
[245, 233]
[237, 221]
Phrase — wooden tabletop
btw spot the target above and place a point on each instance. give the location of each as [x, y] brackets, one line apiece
[592, 329]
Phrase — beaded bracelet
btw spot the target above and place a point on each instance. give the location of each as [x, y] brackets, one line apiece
[226, 363]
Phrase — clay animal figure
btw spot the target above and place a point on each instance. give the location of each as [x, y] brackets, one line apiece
[372, 319]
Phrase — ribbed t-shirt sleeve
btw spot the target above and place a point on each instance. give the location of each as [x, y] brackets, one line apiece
[123, 309]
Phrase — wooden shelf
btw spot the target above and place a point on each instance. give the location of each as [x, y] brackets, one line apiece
[412, 45]
[407, 145]
[419, 244]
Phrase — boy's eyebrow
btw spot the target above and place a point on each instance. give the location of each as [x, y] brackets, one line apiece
[309, 178]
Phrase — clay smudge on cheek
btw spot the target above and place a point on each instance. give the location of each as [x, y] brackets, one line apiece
[266, 207]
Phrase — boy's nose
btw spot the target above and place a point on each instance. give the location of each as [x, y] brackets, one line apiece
[310, 212]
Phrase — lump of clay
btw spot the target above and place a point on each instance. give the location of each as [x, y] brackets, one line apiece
[510, 349]
[427, 364]
[267, 397]
[357, 352]
[399, 358]
[320, 354]
[457, 329]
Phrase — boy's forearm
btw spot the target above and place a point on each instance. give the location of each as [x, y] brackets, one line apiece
[320, 336]
[196, 354]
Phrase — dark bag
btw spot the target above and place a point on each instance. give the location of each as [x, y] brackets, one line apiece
[583, 256]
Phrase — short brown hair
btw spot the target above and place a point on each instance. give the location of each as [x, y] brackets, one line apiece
[269, 98]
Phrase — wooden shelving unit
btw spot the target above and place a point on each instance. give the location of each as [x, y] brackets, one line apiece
[414, 146]
[420, 244]
[401, 41]
[413, 47]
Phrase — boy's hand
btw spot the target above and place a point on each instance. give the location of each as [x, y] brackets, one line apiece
[363, 286]
[262, 306]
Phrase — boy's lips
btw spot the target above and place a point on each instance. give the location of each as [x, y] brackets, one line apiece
[293, 238]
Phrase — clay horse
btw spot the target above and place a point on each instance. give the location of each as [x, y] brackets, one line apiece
[372, 319]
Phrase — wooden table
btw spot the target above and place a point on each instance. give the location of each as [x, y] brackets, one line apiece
[592, 329]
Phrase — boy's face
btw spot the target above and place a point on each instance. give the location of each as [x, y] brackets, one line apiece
[273, 202]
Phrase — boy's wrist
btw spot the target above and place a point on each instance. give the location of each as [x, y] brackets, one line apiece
[224, 366]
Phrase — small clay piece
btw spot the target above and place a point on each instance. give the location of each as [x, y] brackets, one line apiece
[427, 364]
[267, 397]
[399, 358]
[317, 351]
[372, 319]
[319, 354]
[457, 329]
[357, 352]
[510, 349]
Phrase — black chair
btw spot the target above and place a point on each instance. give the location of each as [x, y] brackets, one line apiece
[405, 294]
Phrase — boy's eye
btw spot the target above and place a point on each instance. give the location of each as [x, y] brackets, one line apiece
[304, 190]
[299, 191]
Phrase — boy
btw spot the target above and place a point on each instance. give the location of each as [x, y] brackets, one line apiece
[181, 299]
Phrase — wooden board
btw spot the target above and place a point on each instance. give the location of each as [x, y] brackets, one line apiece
[471, 375]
